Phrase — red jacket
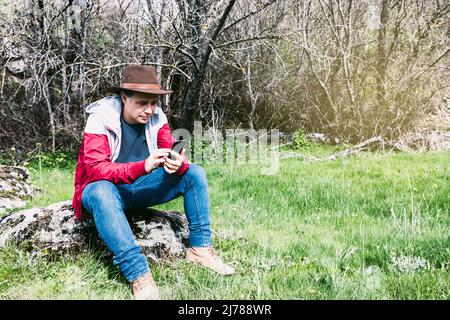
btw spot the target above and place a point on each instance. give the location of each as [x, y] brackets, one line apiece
[101, 144]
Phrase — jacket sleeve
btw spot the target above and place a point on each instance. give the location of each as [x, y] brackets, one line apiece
[97, 158]
[166, 140]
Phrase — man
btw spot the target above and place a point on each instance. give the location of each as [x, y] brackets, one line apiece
[124, 163]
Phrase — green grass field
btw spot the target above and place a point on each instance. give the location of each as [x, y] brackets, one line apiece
[375, 226]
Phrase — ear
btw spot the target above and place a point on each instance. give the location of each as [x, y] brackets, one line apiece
[124, 97]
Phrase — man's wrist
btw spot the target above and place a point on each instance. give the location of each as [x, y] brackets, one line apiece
[148, 166]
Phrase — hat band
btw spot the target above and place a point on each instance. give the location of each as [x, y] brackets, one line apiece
[140, 86]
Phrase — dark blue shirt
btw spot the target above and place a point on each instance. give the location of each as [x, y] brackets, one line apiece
[133, 147]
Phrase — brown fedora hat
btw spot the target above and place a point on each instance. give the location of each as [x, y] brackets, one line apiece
[139, 78]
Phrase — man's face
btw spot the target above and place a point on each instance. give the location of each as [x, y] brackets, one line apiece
[139, 107]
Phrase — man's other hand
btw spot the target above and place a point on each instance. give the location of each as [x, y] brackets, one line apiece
[171, 166]
[155, 159]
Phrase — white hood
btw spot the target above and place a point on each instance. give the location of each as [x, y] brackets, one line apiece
[106, 113]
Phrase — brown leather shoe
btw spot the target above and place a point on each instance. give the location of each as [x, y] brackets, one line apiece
[207, 257]
[144, 288]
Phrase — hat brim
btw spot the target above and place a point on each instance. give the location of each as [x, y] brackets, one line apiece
[151, 91]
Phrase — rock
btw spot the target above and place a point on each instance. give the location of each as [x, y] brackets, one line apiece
[318, 137]
[163, 236]
[14, 187]
[424, 141]
[15, 53]
[16, 67]
[286, 138]
[439, 141]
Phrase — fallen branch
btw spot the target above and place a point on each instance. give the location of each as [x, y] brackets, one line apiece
[363, 146]
[291, 155]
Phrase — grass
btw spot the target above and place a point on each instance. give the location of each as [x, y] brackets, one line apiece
[347, 229]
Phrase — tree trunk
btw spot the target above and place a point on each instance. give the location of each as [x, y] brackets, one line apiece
[382, 54]
[205, 41]
[251, 94]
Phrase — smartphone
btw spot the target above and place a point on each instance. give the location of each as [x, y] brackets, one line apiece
[178, 146]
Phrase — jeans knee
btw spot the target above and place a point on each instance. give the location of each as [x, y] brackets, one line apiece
[196, 173]
[103, 193]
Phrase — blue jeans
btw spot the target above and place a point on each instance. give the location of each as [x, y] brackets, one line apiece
[106, 202]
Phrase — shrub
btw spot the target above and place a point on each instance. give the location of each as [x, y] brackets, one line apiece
[300, 140]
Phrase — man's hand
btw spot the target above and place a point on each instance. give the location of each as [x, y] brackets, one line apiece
[155, 159]
[171, 166]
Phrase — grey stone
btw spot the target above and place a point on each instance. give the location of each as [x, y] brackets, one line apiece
[286, 138]
[424, 141]
[163, 236]
[16, 66]
[318, 137]
[14, 187]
